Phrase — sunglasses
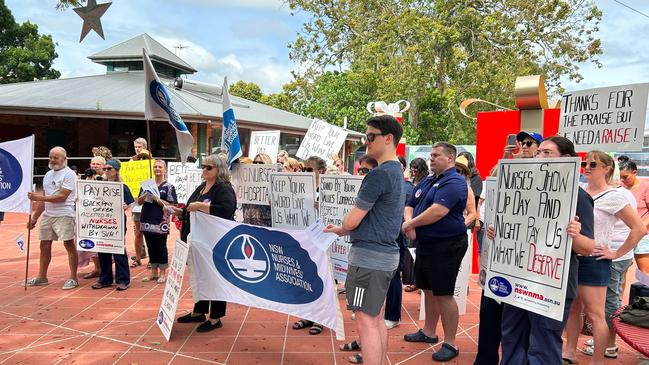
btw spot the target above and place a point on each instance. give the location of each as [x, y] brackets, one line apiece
[527, 144]
[308, 169]
[363, 170]
[207, 167]
[258, 162]
[592, 164]
[107, 168]
[372, 136]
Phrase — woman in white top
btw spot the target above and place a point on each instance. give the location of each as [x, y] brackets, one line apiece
[595, 270]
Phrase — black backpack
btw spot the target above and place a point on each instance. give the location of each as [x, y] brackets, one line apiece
[636, 313]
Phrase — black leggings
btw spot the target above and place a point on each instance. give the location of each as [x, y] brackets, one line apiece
[157, 245]
[217, 308]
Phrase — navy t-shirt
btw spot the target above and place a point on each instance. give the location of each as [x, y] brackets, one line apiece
[584, 211]
[153, 218]
[449, 189]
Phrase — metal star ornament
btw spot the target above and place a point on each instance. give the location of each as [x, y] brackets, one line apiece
[91, 14]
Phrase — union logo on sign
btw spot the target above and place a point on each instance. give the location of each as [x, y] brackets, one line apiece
[247, 259]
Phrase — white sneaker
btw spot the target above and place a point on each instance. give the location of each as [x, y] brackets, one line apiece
[353, 316]
[391, 324]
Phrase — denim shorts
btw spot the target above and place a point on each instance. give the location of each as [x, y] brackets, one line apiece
[643, 246]
[593, 272]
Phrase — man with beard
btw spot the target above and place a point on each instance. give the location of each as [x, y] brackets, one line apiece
[57, 204]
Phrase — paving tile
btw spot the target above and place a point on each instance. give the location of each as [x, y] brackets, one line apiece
[258, 344]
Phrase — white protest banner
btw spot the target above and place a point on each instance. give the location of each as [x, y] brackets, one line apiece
[490, 209]
[292, 199]
[100, 216]
[322, 140]
[529, 258]
[268, 268]
[171, 294]
[608, 119]
[16, 174]
[337, 197]
[185, 178]
[264, 142]
[252, 183]
[461, 291]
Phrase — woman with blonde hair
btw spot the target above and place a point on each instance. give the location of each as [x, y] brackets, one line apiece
[292, 165]
[595, 270]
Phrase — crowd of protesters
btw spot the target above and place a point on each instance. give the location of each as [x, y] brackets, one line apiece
[431, 204]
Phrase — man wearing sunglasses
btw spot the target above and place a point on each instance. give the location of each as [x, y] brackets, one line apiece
[373, 225]
[527, 145]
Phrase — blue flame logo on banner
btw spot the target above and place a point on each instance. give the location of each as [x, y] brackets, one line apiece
[16, 166]
[280, 270]
[11, 174]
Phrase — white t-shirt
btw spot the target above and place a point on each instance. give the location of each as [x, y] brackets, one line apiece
[52, 183]
[607, 204]
[620, 229]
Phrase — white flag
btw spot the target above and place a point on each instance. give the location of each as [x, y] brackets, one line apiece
[16, 166]
[158, 105]
[279, 270]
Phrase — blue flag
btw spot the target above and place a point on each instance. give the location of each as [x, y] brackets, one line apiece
[230, 140]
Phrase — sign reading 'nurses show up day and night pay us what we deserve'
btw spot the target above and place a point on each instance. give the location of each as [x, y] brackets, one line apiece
[609, 119]
[529, 258]
[100, 216]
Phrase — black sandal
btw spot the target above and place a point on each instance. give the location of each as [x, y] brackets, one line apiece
[136, 263]
[356, 359]
[352, 346]
[316, 329]
[302, 323]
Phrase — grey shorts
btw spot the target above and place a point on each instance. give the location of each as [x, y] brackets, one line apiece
[57, 228]
[366, 289]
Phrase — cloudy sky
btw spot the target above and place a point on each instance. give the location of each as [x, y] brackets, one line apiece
[247, 39]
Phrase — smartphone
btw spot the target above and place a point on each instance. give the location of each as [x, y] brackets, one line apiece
[511, 140]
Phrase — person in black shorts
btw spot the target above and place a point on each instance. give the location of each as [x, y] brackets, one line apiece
[434, 216]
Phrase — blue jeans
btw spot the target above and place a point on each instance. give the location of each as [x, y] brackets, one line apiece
[489, 334]
[122, 272]
[530, 338]
[614, 290]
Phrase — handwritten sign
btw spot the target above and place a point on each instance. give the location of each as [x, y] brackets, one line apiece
[490, 209]
[100, 216]
[252, 183]
[292, 199]
[185, 178]
[322, 140]
[530, 255]
[134, 172]
[172, 292]
[337, 197]
[264, 142]
[607, 119]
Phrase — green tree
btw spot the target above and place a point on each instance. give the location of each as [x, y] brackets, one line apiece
[64, 4]
[24, 54]
[246, 90]
[443, 51]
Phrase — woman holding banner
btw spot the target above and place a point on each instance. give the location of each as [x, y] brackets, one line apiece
[215, 196]
[155, 221]
[595, 270]
[122, 273]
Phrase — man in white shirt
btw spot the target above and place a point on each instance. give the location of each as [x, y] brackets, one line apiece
[57, 202]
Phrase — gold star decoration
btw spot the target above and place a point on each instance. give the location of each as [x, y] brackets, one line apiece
[91, 14]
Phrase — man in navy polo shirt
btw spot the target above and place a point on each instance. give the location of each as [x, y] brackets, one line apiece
[434, 216]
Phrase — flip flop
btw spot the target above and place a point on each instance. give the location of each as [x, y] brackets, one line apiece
[302, 323]
[90, 275]
[352, 346]
[567, 361]
[316, 329]
[136, 263]
[356, 359]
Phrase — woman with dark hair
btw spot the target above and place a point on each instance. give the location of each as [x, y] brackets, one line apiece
[474, 177]
[640, 190]
[215, 196]
[418, 170]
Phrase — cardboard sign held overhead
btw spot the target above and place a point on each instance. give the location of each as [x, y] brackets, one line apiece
[264, 142]
[322, 140]
[608, 119]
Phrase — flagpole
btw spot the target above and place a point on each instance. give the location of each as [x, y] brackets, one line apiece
[148, 138]
[29, 223]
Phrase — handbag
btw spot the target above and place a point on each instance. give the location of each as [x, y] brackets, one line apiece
[636, 313]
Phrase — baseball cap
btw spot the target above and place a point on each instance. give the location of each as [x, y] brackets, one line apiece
[520, 137]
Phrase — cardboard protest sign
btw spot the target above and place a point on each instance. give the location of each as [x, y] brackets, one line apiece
[264, 142]
[529, 258]
[172, 292]
[100, 216]
[490, 209]
[292, 199]
[322, 140]
[134, 172]
[252, 183]
[607, 119]
[337, 197]
[185, 178]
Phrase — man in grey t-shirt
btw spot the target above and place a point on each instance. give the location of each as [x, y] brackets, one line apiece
[373, 225]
